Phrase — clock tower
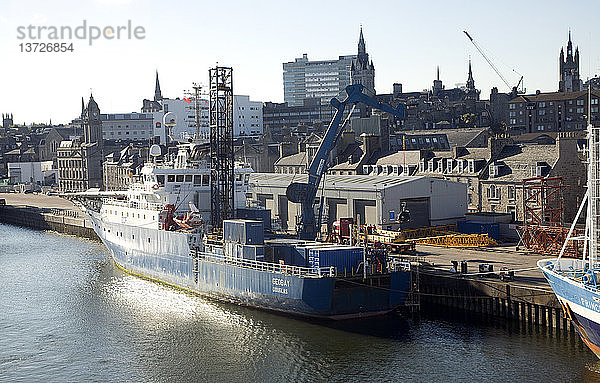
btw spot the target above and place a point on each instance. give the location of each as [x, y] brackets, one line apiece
[92, 125]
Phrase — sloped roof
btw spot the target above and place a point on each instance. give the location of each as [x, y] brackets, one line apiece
[297, 159]
[456, 137]
[553, 96]
[466, 154]
[411, 157]
[518, 160]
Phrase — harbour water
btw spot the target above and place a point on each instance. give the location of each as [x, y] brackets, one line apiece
[67, 314]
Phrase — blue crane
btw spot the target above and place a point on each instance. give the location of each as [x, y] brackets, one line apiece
[305, 193]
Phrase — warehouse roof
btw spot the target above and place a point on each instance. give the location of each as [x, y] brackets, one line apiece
[350, 182]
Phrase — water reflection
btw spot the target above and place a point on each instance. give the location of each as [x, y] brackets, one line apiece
[66, 313]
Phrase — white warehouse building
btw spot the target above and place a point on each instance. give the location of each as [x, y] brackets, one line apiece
[247, 117]
[40, 173]
[376, 199]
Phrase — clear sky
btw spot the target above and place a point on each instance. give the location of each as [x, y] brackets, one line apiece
[405, 39]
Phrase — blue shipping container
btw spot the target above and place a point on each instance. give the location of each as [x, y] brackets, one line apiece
[257, 214]
[474, 227]
[343, 258]
[245, 232]
[300, 253]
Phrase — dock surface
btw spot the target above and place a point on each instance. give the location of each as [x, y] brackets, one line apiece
[500, 256]
[40, 201]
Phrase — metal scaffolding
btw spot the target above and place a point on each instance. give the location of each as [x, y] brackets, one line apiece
[543, 229]
[543, 202]
[222, 180]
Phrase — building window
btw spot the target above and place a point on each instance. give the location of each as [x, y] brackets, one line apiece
[579, 110]
[449, 165]
[579, 102]
[471, 166]
[512, 106]
[430, 166]
[511, 192]
[493, 170]
[541, 104]
[541, 112]
[493, 192]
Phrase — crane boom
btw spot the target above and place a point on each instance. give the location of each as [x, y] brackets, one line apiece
[305, 193]
[488, 60]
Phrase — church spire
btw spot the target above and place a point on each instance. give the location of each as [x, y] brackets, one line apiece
[470, 80]
[157, 94]
[361, 43]
[438, 73]
[569, 48]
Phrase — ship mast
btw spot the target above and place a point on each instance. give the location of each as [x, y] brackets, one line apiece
[593, 184]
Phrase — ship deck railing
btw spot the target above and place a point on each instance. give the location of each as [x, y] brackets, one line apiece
[134, 204]
[309, 272]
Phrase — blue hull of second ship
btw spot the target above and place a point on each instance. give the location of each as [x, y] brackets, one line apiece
[580, 303]
[320, 297]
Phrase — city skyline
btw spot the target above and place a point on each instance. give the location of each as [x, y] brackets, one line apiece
[405, 42]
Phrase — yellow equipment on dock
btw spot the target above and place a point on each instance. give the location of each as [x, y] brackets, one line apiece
[457, 240]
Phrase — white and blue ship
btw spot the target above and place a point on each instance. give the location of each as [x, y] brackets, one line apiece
[156, 230]
[576, 281]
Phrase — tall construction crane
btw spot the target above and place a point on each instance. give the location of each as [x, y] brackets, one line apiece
[305, 193]
[492, 64]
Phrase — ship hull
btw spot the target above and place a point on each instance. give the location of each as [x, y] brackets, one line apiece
[581, 304]
[164, 256]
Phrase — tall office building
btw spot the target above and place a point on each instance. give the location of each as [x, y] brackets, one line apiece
[325, 79]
